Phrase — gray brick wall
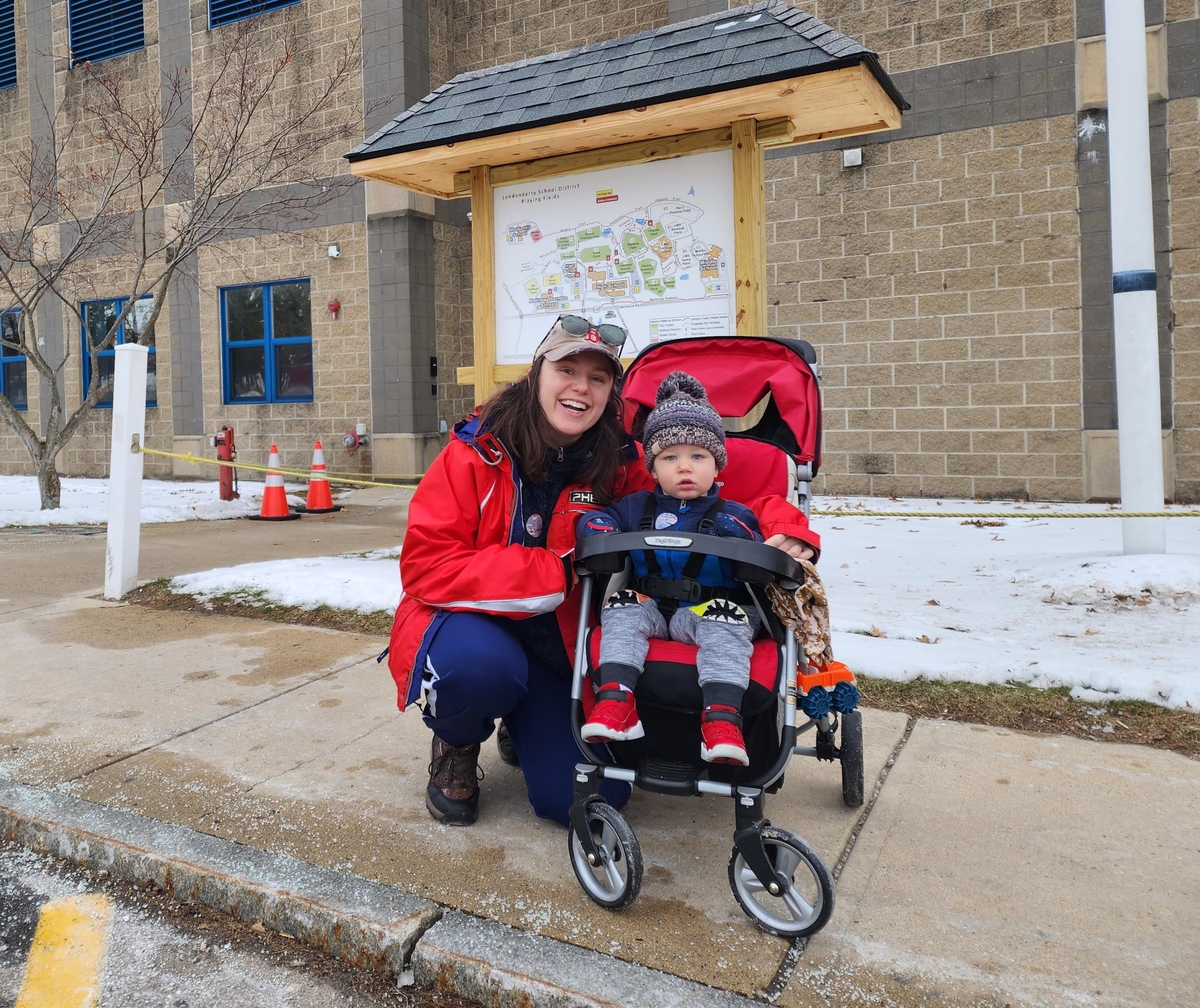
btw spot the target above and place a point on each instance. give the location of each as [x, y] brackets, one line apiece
[403, 336]
[685, 10]
[183, 301]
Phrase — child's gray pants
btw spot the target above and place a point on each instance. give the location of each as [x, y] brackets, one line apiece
[723, 630]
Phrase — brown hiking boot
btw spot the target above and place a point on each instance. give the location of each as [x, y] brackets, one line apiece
[452, 796]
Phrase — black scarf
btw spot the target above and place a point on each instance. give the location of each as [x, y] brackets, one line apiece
[540, 635]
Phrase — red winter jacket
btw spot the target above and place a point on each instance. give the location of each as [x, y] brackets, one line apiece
[462, 551]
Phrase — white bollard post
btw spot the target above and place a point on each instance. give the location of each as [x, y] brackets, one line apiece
[125, 471]
[1135, 304]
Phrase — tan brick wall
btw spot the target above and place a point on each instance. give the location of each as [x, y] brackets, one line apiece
[322, 28]
[491, 32]
[87, 453]
[341, 350]
[940, 285]
[1183, 141]
[909, 34]
[452, 273]
[341, 347]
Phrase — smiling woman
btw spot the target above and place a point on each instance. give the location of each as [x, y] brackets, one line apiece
[487, 564]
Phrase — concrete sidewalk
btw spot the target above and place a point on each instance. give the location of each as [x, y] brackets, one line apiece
[994, 868]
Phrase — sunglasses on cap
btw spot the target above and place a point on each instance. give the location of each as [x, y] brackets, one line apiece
[612, 335]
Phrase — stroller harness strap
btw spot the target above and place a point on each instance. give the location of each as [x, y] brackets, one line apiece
[685, 588]
[688, 590]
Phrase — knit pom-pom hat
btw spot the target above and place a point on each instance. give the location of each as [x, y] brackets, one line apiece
[682, 415]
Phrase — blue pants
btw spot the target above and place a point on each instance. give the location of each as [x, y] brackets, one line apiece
[480, 672]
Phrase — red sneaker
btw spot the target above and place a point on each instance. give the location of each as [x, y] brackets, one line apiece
[614, 718]
[721, 736]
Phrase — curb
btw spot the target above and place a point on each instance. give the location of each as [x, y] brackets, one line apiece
[364, 923]
[501, 967]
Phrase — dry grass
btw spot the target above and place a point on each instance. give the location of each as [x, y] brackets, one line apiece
[1051, 711]
[255, 605]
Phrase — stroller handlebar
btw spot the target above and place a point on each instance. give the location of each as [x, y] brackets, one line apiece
[753, 562]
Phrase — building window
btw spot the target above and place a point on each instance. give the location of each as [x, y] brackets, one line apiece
[12, 361]
[266, 342]
[8, 44]
[224, 11]
[98, 319]
[104, 28]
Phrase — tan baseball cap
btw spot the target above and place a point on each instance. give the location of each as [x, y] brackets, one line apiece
[572, 334]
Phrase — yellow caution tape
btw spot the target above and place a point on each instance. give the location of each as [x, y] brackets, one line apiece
[303, 474]
[412, 479]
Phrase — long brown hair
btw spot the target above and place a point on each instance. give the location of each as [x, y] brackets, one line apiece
[516, 417]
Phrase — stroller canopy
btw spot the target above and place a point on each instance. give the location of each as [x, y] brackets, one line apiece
[768, 384]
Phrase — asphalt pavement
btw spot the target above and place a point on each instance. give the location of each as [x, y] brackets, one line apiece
[65, 932]
[994, 867]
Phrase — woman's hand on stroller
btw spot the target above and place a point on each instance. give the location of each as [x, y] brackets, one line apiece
[797, 549]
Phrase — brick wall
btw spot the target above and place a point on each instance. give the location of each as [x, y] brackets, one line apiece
[939, 283]
[491, 32]
[452, 250]
[341, 353]
[909, 34]
[1183, 131]
[341, 347]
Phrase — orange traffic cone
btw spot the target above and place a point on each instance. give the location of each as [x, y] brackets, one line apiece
[320, 500]
[274, 505]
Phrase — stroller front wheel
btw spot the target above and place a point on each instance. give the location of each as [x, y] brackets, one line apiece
[616, 878]
[803, 908]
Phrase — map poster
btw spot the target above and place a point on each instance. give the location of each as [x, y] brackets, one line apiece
[648, 247]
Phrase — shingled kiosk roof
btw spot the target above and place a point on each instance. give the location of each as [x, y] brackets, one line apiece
[657, 83]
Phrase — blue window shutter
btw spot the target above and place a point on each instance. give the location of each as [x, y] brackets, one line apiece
[225, 11]
[8, 45]
[104, 28]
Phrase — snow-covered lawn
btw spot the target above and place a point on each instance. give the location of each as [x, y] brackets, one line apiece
[1048, 601]
[1038, 600]
[85, 501]
[360, 582]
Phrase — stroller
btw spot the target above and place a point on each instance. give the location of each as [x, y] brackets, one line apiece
[766, 390]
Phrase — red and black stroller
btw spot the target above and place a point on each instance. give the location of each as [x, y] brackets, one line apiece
[767, 392]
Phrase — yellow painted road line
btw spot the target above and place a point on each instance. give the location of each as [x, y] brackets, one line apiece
[63, 968]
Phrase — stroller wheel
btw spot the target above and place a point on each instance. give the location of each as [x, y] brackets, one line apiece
[800, 910]
[852, 759]
[614, 882]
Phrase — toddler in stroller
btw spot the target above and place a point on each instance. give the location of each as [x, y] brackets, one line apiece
[765, 389]
[684, 443]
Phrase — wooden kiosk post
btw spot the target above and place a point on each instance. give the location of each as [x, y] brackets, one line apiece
[749, 229]
[483, 285]
[509, 125]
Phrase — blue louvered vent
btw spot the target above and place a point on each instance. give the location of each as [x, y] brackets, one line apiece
[224, 11]
[8, 45]
[104, 28]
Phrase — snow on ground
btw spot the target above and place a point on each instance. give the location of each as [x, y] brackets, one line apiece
[360, 582]
[1022, 598]
[85, 501]
[1047, 601]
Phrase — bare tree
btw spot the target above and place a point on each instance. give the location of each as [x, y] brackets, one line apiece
[135, 179]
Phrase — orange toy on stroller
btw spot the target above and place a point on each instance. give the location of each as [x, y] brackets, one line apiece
[767, 393]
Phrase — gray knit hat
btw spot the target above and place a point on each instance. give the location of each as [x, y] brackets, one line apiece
[682, 415]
